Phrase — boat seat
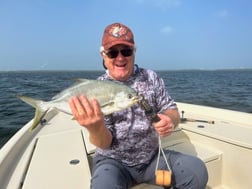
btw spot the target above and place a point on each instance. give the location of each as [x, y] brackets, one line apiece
[176, 142]
[206, 154]
[195, 149]
[57, 157]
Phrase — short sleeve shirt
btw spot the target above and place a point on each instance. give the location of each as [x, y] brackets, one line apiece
[135, 140]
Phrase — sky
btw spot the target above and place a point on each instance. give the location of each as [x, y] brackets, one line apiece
[169, 34]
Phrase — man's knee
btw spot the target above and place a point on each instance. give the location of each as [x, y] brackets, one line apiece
[109, 176]
[190, 172]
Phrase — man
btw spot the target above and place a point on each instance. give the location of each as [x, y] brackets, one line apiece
[127, 141]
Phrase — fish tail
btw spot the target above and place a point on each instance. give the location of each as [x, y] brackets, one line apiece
[39, 112]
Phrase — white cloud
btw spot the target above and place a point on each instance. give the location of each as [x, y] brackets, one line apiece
[167, 30]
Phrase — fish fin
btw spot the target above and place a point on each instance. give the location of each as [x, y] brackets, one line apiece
[39, 112]
[73, 118]
[107, 104]
[37, 118]
[77, 81]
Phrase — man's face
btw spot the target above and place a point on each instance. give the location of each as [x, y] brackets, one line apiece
[119, 60]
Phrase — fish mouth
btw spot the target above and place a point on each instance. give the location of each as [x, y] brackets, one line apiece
[136, 99]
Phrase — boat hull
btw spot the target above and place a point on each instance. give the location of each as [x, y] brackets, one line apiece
[58, 153]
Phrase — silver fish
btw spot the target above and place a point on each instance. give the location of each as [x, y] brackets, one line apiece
[112, 97]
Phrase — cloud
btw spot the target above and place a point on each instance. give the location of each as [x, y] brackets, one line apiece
[167, 30]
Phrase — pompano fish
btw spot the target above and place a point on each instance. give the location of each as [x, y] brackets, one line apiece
[112, 97]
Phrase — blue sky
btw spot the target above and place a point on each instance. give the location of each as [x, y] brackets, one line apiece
[169, 34]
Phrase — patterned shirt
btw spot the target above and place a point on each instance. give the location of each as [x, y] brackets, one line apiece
[135, 140]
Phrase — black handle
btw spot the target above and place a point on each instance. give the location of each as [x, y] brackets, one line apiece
[149, 111]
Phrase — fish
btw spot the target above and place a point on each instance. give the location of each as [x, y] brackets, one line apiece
[112, 96]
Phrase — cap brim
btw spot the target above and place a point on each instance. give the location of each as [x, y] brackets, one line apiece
[118, 42]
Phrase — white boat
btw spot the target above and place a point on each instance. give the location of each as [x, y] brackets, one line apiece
[58, 154]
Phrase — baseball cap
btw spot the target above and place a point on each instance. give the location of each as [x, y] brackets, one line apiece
[116, 34]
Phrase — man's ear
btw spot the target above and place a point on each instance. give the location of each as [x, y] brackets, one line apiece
[103, 63]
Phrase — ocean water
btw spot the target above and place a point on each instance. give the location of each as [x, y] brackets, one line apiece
[229, 89]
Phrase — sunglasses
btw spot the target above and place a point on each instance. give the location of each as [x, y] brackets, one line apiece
[114, 53]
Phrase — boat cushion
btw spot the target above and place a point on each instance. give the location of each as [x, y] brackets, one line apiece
[58, 157]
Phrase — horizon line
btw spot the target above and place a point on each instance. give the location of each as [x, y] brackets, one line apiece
[98, 70]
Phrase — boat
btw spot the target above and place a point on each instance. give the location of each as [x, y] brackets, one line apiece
[58, 154]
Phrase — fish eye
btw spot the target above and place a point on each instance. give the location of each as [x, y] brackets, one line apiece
[130, 96]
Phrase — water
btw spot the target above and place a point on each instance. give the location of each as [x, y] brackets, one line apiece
[223, 89]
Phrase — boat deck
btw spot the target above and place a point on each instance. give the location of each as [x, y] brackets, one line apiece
[58, 157]
[54, 154]
[59, 154]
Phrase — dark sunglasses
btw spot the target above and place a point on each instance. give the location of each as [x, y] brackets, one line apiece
[114, 53]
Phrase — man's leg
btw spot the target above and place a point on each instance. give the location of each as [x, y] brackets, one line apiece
[188, 172]
[109, 174]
